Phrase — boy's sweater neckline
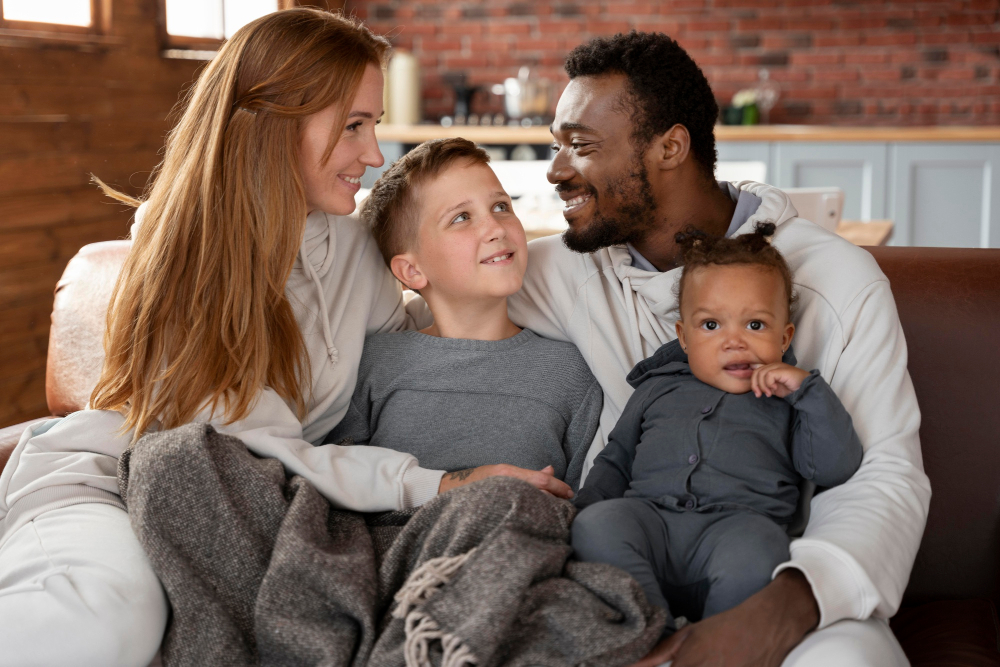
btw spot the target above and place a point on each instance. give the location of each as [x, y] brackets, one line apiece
[426, 340]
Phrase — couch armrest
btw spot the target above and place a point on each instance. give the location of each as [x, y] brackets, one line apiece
[10, 436]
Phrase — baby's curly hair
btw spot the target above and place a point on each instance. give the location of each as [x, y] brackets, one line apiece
[699, 250]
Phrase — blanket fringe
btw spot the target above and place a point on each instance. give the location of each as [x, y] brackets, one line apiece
[426, 580]
[421, 630]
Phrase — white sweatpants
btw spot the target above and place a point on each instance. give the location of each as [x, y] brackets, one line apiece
[77, 589]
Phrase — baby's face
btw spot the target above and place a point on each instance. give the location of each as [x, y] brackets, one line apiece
[734, 318]
[470, 244]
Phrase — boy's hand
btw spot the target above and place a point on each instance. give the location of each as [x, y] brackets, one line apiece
[543, 479]
[776, 380]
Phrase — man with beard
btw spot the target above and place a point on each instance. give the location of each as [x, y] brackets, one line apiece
[634, 163]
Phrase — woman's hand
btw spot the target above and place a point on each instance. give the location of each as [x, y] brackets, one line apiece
[543, 479]
[776, 380]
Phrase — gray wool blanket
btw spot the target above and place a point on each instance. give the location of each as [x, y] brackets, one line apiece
[259, 569]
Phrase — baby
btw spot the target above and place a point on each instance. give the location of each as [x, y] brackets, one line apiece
[699, 480]
[472, 395]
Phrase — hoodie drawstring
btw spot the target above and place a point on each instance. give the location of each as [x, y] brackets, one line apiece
[331, 350]
[633, 320]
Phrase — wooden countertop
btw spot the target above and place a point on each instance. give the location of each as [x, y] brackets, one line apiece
[414, 134]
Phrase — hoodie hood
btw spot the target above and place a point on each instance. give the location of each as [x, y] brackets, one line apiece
[670, 359]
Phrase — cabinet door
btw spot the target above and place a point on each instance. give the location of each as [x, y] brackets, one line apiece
[391, 151]
[859, 169]
[746, 151]
[946, 195]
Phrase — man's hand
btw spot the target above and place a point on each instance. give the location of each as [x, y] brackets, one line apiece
[543, 479]
[758, 633]
[776, 379]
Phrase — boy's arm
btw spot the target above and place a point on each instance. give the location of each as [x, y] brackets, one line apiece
[825, 447]
[580, 432]
[611, 473]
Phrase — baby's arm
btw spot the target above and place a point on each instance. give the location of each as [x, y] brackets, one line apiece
[825, 446]
[612, 471]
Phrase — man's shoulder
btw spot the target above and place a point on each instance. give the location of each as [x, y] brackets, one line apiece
[825, 263]
[548, 258]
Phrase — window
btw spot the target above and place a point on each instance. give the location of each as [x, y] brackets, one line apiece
[207, 22]
[51, 15]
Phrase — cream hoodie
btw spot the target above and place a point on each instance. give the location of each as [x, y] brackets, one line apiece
[340, 291]
[862, 537]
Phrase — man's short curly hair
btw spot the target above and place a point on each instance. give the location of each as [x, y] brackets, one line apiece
[665, 86]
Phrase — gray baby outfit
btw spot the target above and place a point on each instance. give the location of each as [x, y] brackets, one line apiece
[699, 485]
[457, 403]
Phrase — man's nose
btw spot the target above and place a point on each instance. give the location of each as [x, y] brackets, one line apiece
[559, 170]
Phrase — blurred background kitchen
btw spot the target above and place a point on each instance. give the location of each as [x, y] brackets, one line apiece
[881, 117]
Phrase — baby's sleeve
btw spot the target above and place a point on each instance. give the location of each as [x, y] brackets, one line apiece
[825, 447]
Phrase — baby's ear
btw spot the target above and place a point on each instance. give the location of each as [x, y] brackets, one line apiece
[679, 328]
[786, 337]
[405, 269]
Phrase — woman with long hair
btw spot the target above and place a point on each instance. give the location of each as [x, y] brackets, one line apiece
[244, 303]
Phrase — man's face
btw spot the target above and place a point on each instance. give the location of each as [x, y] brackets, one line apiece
[597, 172]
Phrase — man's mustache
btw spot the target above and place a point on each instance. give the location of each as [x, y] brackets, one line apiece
[568, 186]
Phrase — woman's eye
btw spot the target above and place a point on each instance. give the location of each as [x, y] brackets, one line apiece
[710, 325]
[755, 325]
[461, 217]
[354, 126]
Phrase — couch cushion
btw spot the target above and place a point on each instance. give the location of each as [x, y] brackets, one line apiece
[952, 633]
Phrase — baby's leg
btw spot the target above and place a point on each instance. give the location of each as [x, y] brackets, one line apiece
[629, 534]
[739, 553]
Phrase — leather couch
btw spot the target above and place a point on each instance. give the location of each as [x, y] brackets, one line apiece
[949, 304]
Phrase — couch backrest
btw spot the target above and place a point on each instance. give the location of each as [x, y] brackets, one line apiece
[948, 301]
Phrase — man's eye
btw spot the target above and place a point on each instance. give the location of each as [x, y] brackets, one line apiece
[755, 325]
[710, 325]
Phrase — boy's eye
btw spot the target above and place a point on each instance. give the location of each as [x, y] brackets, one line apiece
[710, 325]
[501, 206]
[755, 325]
[461, 217]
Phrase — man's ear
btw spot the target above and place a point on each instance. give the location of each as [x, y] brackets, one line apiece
[671, 148]
[405, 269]
[786, 337]
[679, 328]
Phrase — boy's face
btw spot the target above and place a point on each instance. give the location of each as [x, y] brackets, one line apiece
[733, 319]
[470, 245]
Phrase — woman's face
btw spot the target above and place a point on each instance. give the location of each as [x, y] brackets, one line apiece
[331, 186]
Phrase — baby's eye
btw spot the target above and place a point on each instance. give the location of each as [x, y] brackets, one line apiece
[461, 217]
[501, 206]
[755, 325]
[710, 325]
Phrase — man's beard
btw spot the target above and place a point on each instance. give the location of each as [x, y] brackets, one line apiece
[634, 216]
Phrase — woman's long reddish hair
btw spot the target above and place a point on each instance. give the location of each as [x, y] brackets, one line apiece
[199, 316]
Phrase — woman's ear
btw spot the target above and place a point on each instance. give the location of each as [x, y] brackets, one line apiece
[406, 271]
[786, 337]
[672, 148]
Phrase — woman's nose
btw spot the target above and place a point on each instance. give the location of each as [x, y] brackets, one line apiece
[372, 156]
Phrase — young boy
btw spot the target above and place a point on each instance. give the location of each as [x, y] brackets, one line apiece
[473, 390]
[700, 476]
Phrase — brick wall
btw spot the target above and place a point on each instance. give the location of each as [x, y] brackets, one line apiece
[840, 62]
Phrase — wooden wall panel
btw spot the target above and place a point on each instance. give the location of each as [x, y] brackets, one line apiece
[67, 111]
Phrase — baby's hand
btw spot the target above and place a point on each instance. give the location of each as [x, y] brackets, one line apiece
[776, 379]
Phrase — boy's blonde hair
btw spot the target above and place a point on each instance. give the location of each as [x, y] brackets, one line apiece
[199, 315]
[392, 207]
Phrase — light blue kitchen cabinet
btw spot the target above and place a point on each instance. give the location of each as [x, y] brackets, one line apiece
[859, 169]
[945, 194]
[747, 151]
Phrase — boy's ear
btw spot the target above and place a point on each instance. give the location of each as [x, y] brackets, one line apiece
[405, 269]
[679, 328]
[786, 337]
[671, 148]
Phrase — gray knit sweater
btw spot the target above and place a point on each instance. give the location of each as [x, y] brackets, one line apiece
[456, 403]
